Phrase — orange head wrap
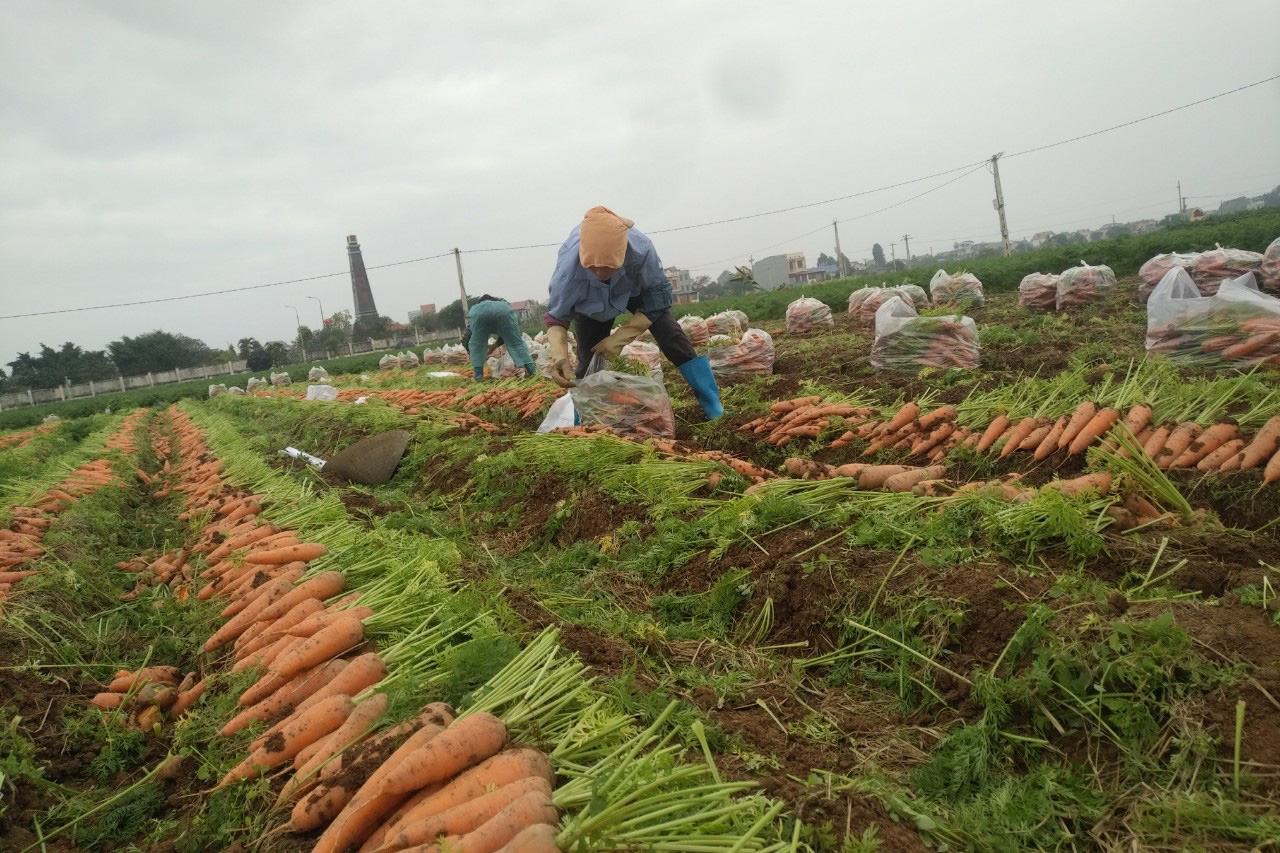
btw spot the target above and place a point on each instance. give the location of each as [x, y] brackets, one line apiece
[602, 241]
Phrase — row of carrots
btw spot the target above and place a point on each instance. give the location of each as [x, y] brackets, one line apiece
[395, 789]
[23, 437]
[20, 543]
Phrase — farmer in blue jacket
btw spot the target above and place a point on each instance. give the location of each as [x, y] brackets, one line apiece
[491, 315]
[607, 268]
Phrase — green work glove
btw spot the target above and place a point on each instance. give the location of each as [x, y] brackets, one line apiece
[561, 372]
[623, 335]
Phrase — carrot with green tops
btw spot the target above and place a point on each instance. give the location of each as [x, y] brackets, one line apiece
[233, 627]
[305, 551]
[357, 675]
[343, 635]
[1097, 426]
[1215, 460]
[1017, 434]
[1049, 443]
[285, 696]
[994, 430]
[319, 721]
[1272, 472]
[1207, 442]
[356, 726]
[1099, 482]
[1156, 441]
[904, 481]
[1085, 412]
[874, 476]
[528, 810]
[322, 586]
[465, 743]
[464, 817]
[1037, 435]
[538, 838]
[908, 413]
[263, 633]
[943, 413]
[1264, 444]
[938, 435]
[1179, 440]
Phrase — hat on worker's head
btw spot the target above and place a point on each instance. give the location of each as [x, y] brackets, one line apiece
[602, 240]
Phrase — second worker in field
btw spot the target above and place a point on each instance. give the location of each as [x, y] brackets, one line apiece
[607, 267]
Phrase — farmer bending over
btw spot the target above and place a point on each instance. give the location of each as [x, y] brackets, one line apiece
[607, 268]
[491, 315]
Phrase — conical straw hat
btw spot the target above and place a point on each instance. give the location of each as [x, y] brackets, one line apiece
[371, 460]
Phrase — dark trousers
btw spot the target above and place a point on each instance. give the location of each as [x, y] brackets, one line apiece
[668, 334]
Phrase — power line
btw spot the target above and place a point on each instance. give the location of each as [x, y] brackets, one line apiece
[975, 166]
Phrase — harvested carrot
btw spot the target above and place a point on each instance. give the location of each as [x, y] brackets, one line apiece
[1036, 436]
[286, 695]
[319, 721]
[353, 729]
[125, 683]
[873, 476]
[465, 743]
[465, 817]
[234, 627]
[939, 415]
[904, 481]
[355, 676]
[322, 586]
[1099, 482]
[1083, 414]
[939, 434]
[305, 552]
[530, 809]
[187, 698]
[1016, 435]
[502, 769]
[1272, 472]
[1050, 441]
[1156, 442]
[908, 413]
[1214, 460]
[539, 838]
[108, 700]
[1263, 446]
[1179, 440]
[342, 635]
[256, 637]
[993, 431]
[1093, 430]
[1207, 442]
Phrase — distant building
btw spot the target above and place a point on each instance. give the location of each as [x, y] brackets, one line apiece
[775, 271]
[414, 313]
[1145, 226]
[1040, 238]
[822, 272]
[525, 308]
[427, 309]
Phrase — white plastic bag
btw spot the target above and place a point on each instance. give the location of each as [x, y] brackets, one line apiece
[388, 362]
[1215, 266]
[962, 290]
[914, 293]
[647, 355]
[696, 328]
[906, 342]
[1038, 292]
[322, 392]
[1269, 271]
[1084, 284]
[1236, 327]
[254, 384]
[870, 303]
[501, 365]
[408, 359]
[215, 390]
[235, 390]
[317, 374]
[741, 317]
[559, 415]
[1155, 269]
[279, 380]
[807, 314]
[753, 355]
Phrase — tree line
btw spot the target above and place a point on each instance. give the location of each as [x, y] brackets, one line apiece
[159, 351]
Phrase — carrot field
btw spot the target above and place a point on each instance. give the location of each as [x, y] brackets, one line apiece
[1029, 606]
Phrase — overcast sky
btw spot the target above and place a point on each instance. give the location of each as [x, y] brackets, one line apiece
[163, 148]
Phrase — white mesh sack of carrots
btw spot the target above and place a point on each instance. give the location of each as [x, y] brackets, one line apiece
[1269, 272]
[807, 314]
[1236, 327]
[1215, 266]
[388, 362]
[962, 290]
[279, 380]
[317, 374]
[1038, 292]
[626, 404]
[256, 384]
[408, 358]
[696, 328]
[1084, 284]
[753, 354]
[454, 354]
[869, 303]
[501, 365]
[906, 342]
[1155, 269]
[646, 355]
[914, 293]
[724, 323]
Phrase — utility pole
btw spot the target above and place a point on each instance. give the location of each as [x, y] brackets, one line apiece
[998, 203]
[906, 239]
[839, 254]
[462, 288]
[893, 254]
[1182, 202]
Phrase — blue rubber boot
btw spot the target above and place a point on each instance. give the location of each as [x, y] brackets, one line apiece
[697, 372]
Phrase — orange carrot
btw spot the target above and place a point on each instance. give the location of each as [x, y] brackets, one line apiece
[305, 551]
[1207, 442]
[904, 481]
[1214, 460]
[937, 416]
[993, 431]
[187, 698]
[465, 817]
[108, 701]
[1272, 472]
[1264, 444]
[908, 413]
[530, 809]
[322, 586]
[353, 729]
[342, 635]
[1156, 442]
[502, 769]
[1093, 430]
[1099, 482]
[234, 627]
[125, 683]
[262, 634]
[1016, 435]
[466, 742]
[319, 721]
[356, 675]
[1179, 440]
[1050, 441]
[873, 476]
[539, 838]
[285, 695]
[934, 438]
[1084, 413]
[1036, 436]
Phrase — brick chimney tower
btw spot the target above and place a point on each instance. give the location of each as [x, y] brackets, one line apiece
[360, 290]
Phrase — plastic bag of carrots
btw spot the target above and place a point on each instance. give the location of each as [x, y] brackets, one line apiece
[754, 354]
[1236, 327]
[696, 328]
[646, 355]
[906, 342]
[626, 404]
[914, 294]
[869, 302]
[962, 290]
[279, 380]
[1269, 271]
[1155, 269]
[215, 390]
[1038, 292]
[1083, 284]
[723, 323]
[1213, 267]
[501, 365]
[388, 362]
[807, 314]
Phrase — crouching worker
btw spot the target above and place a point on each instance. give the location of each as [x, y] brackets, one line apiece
[491, 315]
[607, 268]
